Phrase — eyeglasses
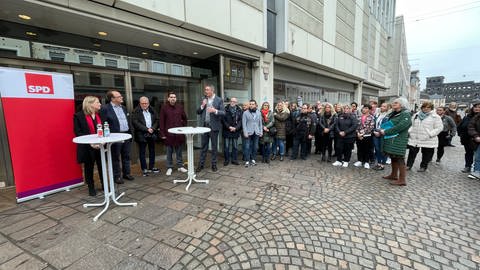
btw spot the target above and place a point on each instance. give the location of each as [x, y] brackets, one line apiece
[117, 97]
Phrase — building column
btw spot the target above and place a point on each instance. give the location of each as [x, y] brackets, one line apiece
[263, 79]
[358, 93]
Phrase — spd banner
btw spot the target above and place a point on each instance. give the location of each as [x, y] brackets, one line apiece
[38, 108]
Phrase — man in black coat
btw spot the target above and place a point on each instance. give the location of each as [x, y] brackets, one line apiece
[232, 124]
[117, 117]
[145, 124]
[211, 112]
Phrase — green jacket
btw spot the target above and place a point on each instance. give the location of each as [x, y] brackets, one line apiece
[397, 143]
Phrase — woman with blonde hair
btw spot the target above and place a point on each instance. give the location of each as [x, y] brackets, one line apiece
[326, 123]
[84, 123]
[281, 115]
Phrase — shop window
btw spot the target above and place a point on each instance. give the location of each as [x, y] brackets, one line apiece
[118, 80]
[177, 70]
[111, 63]
[134, 66]
[95, 78]
[158, 67]
[56, 56]
[84, 59]
[7, 52]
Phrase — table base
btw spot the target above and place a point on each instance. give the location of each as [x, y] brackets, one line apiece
[106, 202]
[189, 180]
[108, 183]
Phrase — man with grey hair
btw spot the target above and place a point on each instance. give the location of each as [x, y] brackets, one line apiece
[145, 124]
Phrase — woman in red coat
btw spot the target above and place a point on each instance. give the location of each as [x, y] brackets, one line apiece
[173, 115]
[84, 123]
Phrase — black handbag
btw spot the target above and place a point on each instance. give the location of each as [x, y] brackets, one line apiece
[272, 131]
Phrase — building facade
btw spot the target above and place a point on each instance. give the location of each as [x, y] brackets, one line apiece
[268, 50]
[460, 92]
[398, 66]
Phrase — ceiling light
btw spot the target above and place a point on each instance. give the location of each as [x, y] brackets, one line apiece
[101, 33]
[195, 53]
[24, 17]
[144, 53]
[156, 45]
[28, 33]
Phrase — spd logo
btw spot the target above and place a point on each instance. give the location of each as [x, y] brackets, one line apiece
[39, 83]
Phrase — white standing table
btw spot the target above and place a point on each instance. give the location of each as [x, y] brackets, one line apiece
[105, 154]
[189, 132]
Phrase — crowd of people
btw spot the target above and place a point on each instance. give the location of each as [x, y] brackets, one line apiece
[285, 130]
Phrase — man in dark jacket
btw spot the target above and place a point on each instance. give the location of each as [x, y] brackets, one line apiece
[232, 124]
[211, 111]
[116, 115]
[304, 129]
[172, 115]
[145, 124]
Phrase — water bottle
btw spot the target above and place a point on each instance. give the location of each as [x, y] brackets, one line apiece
[99, 130]
[106, 129]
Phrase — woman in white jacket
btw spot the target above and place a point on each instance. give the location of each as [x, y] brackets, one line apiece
[426, 125]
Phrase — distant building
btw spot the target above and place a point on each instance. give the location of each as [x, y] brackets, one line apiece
[414, 95]
[460, 92]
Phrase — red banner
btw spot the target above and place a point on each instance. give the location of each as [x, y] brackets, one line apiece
[38, 109]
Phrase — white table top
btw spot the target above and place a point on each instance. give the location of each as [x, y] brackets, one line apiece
[189, 130]
[94, 139]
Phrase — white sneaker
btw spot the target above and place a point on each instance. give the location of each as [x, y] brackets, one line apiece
[253, 162]
[366, 165]
[337, 163]
[389, 161]
[247, 164]
[182, 169]
[345, 164]
[474, 175]
[357, 164]
[169, 172]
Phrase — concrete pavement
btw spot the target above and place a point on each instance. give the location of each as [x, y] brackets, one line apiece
[284, 215]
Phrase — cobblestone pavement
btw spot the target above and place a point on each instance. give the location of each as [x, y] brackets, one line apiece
[283, 215]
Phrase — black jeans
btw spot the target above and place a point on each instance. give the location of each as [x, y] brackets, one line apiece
[88, 166]
[364, 149]
[150, 143]
[427, 154]
[469, 152]
[212, 137]
[121, 150]
[327, 144]
[344, 149]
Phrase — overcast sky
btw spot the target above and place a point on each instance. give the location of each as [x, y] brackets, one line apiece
[443, 38]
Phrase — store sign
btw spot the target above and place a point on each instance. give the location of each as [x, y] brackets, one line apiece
[38, 109]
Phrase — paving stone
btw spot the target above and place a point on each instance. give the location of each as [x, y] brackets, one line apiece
[8, 251]
[46, 239]
[24, 262]
[192, 226]
[133, 263]
[70, 250]
[163, 256]
[104, 257]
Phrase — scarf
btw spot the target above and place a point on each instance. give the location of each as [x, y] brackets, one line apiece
[265, 114]
[91, 126]
[423, 115]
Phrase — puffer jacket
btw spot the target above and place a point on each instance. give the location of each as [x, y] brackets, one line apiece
[424, 133]
[474, 128]
[396, 138]
[281, 119]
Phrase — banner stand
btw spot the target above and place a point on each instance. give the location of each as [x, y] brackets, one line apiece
[38, 108]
